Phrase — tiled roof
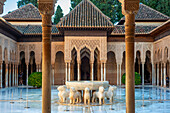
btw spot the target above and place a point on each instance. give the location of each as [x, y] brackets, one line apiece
[85, 14]
[33, 29]
[27, 12]
[139, 29]
[147, 13]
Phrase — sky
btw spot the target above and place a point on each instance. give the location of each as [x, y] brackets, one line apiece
[11, 5]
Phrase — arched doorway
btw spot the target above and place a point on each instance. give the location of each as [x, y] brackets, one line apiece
[22, 68]
[59, 69]
[32, 64]
[74, 65]
[148, 68]
[85, 64]
[97, 68]
[111, 68]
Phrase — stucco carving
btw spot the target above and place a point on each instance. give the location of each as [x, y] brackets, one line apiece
[22, 47]
[31, 47]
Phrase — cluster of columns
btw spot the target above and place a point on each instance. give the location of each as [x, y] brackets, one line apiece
[119, 73]
[161, 74]
[68, 70]
[11, 71]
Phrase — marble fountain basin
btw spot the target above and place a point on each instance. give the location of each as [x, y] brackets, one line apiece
[92, 85]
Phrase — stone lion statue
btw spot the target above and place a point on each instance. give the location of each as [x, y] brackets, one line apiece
[110, 93]
[74, 95]
[100, 95]
[87, 95]
[63, 93]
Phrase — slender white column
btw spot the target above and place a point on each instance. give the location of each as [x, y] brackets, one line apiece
[78, 70]
[104, 71]
[101, 71]
[9, 73]
[153, 74]
[158, 74]
[0, 75]
[13, 76]
[27, 74]
[120, 74]
[143, 79]
[117, 74]
[6, 75]
[69, 71]
[53, 74]
[164, 74]
[37, 68]
[66, 71]
[17, 73]
[92, 72]
[161, 75]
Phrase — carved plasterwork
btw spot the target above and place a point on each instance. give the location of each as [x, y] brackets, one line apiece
[32, 47]
[59, 48]
[21, 47]
[1, 6]
[46, 8]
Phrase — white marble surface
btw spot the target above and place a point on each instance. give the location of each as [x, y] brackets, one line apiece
[34, 102]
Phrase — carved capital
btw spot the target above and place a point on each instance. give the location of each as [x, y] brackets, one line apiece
[46, 8]
[129, 6]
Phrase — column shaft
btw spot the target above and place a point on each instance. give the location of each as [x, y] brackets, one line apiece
[164, 74]
[130, 78]
[92, 72]
[9, 75]
[6, 75]
[161, 75]
[1, 75]
[101, 71]
[120, 74]
[153, 74]
[37, 68]
[78, 70]
[117, 74]
[27, 74]
[69, 71]
[66, 72]
[46, 63]
[13, 76]
[143, 76]
[104, 71]
[158, 74]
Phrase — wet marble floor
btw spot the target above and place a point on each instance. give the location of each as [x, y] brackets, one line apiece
[148, 99]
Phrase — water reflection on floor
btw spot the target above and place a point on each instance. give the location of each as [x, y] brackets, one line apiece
[156, 100]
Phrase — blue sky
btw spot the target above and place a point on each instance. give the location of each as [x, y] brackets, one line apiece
[11, 5]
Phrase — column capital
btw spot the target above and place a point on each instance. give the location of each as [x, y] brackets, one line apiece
[46, 8]
[129, 6]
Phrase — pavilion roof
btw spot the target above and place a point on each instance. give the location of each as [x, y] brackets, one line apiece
[85, 15]
[140, 29]
[147, 13]
[33, 29]
[27, 12]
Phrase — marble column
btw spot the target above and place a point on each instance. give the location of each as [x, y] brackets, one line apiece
[139, 68]
[101, 71]
[66, 73]
[164, 74]
[6, 75]
[143, 76]
[118, 74]
[53, 78]
[9, 74]
[158, 74]
[37, 68]
[13, 75]
[92, 71]
[153, 74]
[104, 71]
[161, 75]
[1, 75]
[78, 70]
[27, 74]
[69, 71]
[46, 10]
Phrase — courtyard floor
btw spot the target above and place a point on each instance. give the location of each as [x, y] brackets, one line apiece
[149, 99]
